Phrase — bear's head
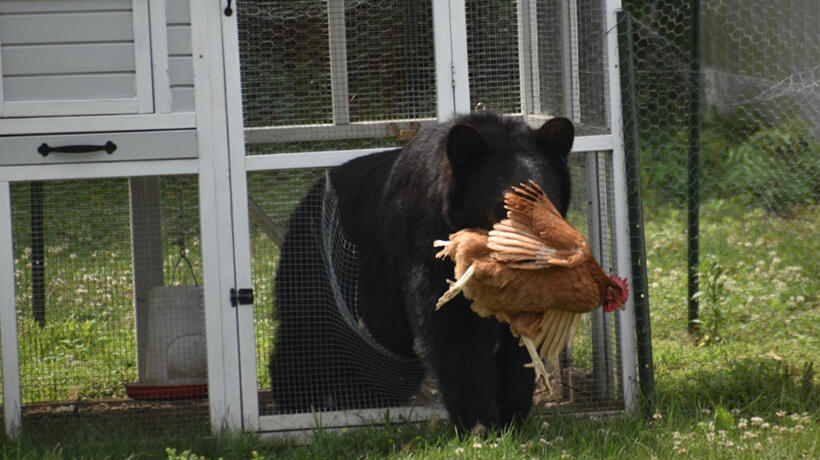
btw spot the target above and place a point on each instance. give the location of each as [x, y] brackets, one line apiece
[486, 155]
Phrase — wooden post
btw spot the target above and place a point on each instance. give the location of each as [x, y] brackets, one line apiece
[146, 256]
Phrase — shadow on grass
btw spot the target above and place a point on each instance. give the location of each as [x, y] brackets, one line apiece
[751, 384]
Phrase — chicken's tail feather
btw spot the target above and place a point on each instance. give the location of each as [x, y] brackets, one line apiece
[557, 331]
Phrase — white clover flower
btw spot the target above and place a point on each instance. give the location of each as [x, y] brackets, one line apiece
[757, 421]
[459, 450]
[748, 435]
[477, 445]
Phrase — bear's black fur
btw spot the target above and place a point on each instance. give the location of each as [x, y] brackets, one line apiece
[392, 206]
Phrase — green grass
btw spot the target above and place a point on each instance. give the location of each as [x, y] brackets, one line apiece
[747, 389]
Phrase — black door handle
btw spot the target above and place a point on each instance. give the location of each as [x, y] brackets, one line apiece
[108, 147]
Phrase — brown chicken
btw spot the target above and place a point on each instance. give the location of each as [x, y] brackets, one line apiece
[533, 271]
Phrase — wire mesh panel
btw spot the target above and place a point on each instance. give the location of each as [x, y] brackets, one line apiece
[589, 375]
[727, 103]
[353, 67]
[539, 58]
[110, 320]
[342, 76]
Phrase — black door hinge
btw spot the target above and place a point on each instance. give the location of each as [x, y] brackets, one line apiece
[241, 297]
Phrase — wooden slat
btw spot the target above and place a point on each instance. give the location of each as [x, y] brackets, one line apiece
[33, 6]
[66, 28]
[51, 87]
[96, 170]
[177, 12]
[349, 418]
[181, 70]
[182, 98]
[179, 40]
[145, 122]
[62, 59]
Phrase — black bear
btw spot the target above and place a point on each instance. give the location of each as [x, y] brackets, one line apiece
[355, 305]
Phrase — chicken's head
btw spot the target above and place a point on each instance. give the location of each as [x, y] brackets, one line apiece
[617, 293]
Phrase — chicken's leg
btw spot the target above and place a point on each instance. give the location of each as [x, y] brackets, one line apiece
[455, 287]
[536, 364]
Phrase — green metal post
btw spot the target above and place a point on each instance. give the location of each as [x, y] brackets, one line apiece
[646, 369]
[693, 199]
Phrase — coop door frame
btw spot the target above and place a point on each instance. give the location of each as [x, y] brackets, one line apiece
[453, 97]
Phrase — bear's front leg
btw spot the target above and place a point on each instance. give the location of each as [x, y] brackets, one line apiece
[459, 348]
[516, 381]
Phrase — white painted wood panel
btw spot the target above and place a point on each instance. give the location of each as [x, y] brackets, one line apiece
[179, 40]
[82, 57]
[71, 107]
[105, 123]
[142, 56]
[33, 6]
[159, 57]
[23, 150]
[181, 70]
[348, 418]
[180, 63]
[66, 27]
[57, 59]
[178, 12]
[182, 98]
[56, 87]
[8, 318]
[98, 170]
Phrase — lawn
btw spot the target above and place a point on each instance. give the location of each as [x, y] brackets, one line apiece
[745, 387]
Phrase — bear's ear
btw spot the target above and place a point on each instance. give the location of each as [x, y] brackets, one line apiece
[465, 145]
[555, 137]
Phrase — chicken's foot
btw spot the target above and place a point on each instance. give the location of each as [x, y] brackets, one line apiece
[455, 287]
[537, 365]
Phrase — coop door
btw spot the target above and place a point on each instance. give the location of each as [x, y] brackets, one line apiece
[60, 57]
[324, 82]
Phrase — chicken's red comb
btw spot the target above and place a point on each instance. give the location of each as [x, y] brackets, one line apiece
[622, 283]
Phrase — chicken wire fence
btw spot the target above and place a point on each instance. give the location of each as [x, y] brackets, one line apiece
[323, 76]
[727, 99]
[86, 256]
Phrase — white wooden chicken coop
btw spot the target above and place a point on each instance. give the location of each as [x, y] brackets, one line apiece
[151, 143]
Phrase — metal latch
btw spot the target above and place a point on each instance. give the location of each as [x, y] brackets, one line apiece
[241, 296]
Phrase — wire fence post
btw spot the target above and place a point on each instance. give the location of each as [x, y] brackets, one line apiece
[693, 183]
[646, 370]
